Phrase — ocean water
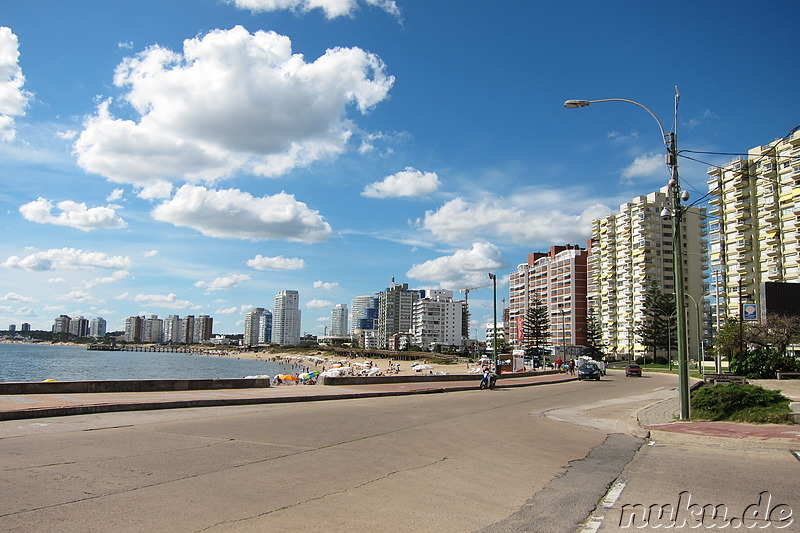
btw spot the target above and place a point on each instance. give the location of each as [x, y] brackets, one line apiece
[37, 362]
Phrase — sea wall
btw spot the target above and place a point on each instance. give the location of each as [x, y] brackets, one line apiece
[421, 378]
[132, 385]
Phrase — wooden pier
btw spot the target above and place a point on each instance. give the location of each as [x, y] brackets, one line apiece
[139, 348]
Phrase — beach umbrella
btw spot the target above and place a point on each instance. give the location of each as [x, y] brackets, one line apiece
[289, 377]
[422, 367]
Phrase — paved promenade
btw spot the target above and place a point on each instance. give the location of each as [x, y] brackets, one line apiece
[659, 421]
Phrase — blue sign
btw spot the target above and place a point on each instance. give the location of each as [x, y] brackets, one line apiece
[750, 311]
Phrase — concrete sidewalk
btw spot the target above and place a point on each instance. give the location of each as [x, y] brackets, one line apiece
[22, 406]
[662, 420]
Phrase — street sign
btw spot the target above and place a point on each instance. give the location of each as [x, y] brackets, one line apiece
[750, 312]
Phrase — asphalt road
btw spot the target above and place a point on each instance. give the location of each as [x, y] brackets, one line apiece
[522, 459]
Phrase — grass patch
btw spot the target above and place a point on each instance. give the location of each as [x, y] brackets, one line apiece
[736, 402]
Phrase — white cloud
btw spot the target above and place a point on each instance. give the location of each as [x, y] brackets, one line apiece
[259, 262]
[67, 135]
[332, 8]
[73, 215]
[168, 301]
[13, 99]
[409, 182]
[645, 166]
[530, 220]
[222, 283]
[241, 310]
[66, 259]
[14, 297]
[78, 296]
[150, 253]
[115, 195]
[325, 285]
[464, 268]
[316, 303]
[233, 214]
[56, 280]
[116, 276]
[232, 100]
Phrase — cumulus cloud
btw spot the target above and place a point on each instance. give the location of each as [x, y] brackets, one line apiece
[409, 182]
[316, 303]
[530, 220]
[167, 301]
[242, 309]
[116, 276]
[13, 99]
[78, 296]
[233, 214]
[645, 166]
[325, 285]
[150, 253]
[464, 268]
[222, 283]
[259, 262]
[67, 259]
[14, 297]
[72, 214]
[231, 101]
[332, 8]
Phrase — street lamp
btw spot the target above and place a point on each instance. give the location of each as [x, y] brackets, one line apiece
[701, 356]
[676, 214]
[563, 334]
[493, 277]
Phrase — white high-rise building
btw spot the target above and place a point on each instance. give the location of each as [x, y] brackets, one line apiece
[97, 327]
[357, 307]
[172, 329]
[286, 318]
[438, 320]
[258, 327]
[395, 312]
[632, 249]
[755, 226]
[153, 329]
[339, 321]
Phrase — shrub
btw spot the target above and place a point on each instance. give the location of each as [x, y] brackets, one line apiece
[764, 364]
[740, 403]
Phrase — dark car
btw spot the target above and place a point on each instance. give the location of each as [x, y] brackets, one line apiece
[589, 371]
[633, 370]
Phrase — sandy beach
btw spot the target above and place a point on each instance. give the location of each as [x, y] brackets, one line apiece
[322, 361]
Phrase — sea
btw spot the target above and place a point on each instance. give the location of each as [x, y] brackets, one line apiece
[38, 362]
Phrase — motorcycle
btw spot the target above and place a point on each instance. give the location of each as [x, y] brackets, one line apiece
[489, 380]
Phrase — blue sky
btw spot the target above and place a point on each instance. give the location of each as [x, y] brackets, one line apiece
[199, 156]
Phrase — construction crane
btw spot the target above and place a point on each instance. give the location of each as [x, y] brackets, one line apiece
[465, 331]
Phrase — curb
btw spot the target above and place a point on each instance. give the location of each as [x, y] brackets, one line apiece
[220, 402]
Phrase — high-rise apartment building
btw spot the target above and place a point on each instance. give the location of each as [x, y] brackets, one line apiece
[754, 222]
[633, 248]
[97, 327]
[79, 327]
[153, 329]
[559, 279]
[358, 305]
[339, 321]
[172, 329]
[133, 329]
[438, 319]
[203, 329]
[61, 324]
[286, 318]
[258, 327]
[395, 311]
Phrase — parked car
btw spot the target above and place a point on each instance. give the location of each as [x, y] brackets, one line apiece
[633, 370]
[589, 371]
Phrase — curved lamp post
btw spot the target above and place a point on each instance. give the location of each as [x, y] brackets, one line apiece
[493, 277]
[676, 214]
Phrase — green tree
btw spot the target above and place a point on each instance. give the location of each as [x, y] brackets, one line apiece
[658, 328]
[594, 338]
[536, 326]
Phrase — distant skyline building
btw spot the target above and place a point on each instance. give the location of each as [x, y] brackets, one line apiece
[339, 321]
[358, 305]
[153, 329]
[286, 318]
[61, 324]
[395, 313]
[437, 319]
[97, 327]
[258, 327]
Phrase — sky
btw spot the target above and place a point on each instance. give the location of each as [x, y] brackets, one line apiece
[200, 156]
